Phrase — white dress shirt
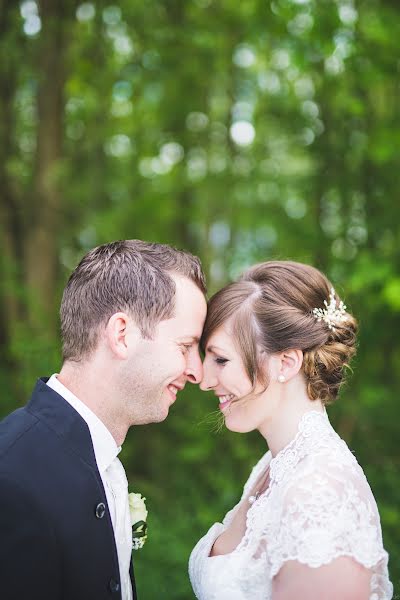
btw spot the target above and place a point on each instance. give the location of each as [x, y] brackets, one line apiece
[106, 452]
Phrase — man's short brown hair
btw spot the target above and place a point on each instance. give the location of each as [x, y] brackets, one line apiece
[129, 275]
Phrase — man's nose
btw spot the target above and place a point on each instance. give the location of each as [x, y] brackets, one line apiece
[194, 370]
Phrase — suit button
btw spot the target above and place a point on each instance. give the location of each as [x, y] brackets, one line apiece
[100, 510]
[114, 586]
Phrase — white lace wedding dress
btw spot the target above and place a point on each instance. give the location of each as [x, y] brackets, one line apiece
[317, 507]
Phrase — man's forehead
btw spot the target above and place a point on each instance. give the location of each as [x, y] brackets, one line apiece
[189, 312]
[190, 304]
[189, 325]
[186, 287]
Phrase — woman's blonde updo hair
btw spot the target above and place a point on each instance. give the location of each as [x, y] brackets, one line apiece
[271, 306]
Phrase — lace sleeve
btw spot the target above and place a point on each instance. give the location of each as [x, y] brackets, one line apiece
[326, 512]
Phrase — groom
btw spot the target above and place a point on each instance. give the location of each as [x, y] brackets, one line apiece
[131, 317]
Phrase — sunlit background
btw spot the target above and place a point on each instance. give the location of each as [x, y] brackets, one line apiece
[242, 131]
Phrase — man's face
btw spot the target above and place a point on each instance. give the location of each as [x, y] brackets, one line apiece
[160, 367]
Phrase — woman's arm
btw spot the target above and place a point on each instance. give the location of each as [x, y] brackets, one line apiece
[342, 578]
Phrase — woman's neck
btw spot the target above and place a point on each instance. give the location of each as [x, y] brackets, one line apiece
[291, 405]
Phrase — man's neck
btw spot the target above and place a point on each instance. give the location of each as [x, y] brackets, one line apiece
[91, 390]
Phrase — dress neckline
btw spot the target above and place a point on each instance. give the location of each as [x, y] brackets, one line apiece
[307, 420]
[311, 423]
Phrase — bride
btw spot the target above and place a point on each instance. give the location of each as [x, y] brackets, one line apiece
[276, 345]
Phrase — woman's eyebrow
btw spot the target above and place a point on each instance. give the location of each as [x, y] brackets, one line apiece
[214, 348]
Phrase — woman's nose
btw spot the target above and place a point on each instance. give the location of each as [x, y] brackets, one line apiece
[209, 380]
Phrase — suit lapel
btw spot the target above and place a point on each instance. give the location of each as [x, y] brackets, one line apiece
[61, 417]
[48, 406]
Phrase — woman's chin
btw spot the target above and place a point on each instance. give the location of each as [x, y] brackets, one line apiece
[237, 426]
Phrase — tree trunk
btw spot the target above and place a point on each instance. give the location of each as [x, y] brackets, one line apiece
[11, 196]
[46, 203]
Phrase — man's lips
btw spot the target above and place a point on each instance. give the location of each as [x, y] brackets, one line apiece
[173, 390]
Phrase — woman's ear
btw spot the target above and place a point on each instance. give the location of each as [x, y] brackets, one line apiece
[289, 364]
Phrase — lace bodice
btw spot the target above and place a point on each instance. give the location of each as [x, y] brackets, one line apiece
[317, 507]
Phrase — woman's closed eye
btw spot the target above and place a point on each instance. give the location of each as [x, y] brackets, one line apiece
[220, 360]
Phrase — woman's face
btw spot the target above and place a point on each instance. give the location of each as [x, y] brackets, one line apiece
[225, 374]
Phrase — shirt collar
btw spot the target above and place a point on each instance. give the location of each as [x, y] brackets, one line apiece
[104, 445]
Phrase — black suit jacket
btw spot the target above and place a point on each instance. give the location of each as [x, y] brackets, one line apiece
[56, 535]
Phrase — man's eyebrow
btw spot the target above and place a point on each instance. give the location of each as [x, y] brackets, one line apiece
[191, 338]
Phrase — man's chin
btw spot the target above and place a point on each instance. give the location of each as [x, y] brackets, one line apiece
[154, 417]
[163, 412]
[160, 411]
[161, 416]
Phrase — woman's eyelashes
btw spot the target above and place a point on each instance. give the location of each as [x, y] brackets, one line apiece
[221, 361]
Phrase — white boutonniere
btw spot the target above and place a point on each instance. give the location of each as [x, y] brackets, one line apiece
[138, 511]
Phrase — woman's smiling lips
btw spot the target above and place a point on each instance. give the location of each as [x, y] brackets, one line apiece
[224, 401]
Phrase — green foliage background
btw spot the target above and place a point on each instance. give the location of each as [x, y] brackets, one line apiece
[242, 131]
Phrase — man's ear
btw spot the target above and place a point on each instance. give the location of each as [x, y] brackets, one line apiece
[121, 334]
[289, 364]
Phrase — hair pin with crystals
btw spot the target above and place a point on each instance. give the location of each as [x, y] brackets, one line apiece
[331, 314]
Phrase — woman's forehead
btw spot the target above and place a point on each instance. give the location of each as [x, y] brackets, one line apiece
[222, 336]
